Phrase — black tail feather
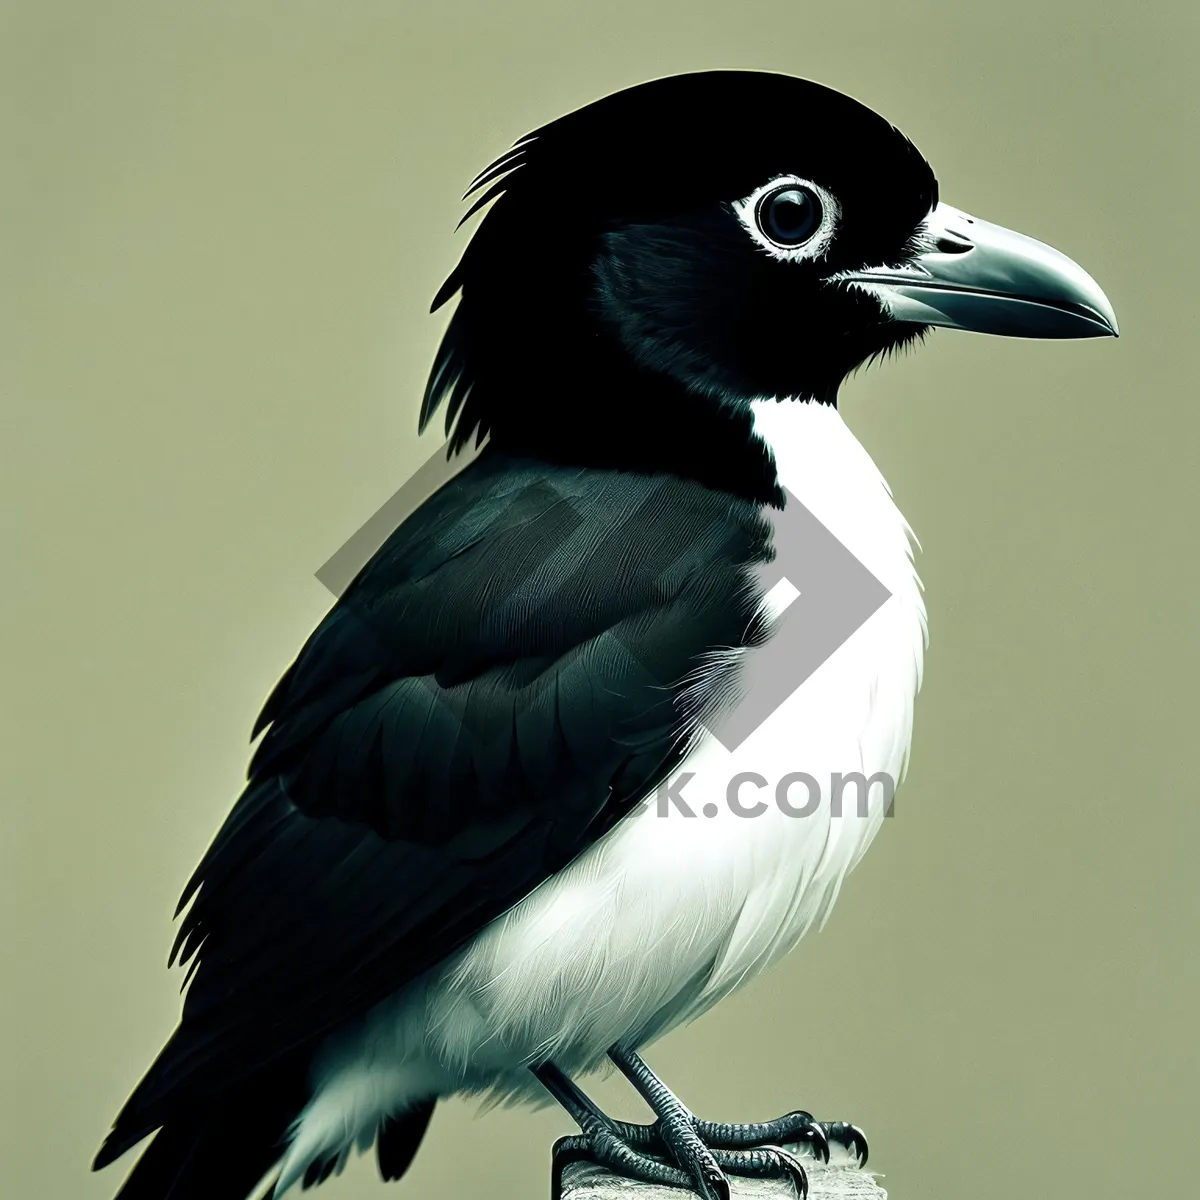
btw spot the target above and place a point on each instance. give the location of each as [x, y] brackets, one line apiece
[223, 1152]
[399, 1138]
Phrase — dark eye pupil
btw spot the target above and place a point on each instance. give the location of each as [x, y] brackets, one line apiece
[790, 216]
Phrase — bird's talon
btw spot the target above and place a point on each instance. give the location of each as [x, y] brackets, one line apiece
[766, 1162]
[811, 1131]
[849, 1136]
[794, 1168]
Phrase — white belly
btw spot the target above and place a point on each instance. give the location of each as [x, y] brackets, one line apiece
[668, 913]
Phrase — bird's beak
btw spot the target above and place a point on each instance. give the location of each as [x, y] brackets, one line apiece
[973, 275]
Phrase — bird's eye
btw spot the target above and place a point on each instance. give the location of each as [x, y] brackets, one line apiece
[792, 218]
[789, 215]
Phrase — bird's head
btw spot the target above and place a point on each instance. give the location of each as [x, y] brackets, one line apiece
[711, 238]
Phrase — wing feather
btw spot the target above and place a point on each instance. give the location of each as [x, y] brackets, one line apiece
[494, 690]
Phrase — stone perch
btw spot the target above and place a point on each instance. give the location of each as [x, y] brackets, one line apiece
[841, 1179]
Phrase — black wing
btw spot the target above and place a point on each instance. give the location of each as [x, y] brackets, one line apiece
[499, 685]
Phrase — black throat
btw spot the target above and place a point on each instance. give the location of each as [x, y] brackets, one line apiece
[579, 400]
[650, 426]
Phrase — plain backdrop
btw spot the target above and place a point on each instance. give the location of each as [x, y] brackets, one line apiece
[221, 228]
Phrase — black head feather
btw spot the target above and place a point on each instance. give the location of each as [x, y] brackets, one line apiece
[612, 282]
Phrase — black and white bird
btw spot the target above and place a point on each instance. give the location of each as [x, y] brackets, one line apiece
[442, 877]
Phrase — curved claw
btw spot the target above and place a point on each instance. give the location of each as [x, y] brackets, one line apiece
[766, 1162]
[792, 1165]
[849, 1136]
[859, 1140]
[813, 1133]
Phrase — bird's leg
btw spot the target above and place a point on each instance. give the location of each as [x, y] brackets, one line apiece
[675, 1128]
[596, 1142]
[680, 1132]
[793, 1128]
[702, 1150]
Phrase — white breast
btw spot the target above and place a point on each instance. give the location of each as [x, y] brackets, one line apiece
[668, 913]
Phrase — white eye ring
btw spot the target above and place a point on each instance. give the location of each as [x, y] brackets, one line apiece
[747, 211]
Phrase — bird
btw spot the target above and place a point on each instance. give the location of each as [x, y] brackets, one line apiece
[492, 837]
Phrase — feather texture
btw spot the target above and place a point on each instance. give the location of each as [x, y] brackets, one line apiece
[665, 915]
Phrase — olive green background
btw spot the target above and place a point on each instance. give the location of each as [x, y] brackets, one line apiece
[221, 227]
